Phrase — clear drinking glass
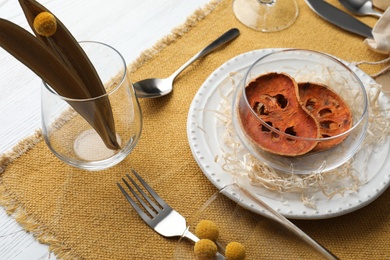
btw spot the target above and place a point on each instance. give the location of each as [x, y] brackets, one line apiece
[74, 138]
[266, 15]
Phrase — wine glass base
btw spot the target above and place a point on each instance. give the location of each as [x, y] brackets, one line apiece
[266, 16]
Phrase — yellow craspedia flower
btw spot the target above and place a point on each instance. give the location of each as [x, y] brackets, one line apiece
[235, 251]
[45, 24]
[207, 229]
[205, 249]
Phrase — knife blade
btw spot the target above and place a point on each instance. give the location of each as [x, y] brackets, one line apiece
[340, 18]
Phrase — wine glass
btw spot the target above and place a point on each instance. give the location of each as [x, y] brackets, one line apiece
[266, 15]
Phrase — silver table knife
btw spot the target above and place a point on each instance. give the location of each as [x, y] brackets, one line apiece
[340, 18]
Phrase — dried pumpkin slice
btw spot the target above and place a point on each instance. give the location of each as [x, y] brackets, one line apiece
[274, 98]
[329, 109]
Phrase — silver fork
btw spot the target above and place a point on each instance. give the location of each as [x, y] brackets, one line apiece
[162, 218]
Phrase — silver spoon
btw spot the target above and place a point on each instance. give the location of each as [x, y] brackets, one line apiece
[153, 87]
[360, 7]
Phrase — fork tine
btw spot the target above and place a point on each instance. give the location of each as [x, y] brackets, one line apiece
[140, 200]
[151, 191]
[151, 202]
[141, 213]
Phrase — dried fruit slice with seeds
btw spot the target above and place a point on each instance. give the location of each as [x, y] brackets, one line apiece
[329, 109]
[274, 99]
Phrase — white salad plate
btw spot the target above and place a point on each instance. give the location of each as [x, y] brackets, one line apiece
[205, 131]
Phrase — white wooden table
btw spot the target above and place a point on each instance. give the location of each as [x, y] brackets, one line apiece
[130, 26]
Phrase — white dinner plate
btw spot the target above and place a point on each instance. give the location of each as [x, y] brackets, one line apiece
[205, 132]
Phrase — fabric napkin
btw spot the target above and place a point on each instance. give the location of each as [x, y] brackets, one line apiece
[381, 41]
[381, 33]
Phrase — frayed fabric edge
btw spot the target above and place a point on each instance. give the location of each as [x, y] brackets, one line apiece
[175, 34]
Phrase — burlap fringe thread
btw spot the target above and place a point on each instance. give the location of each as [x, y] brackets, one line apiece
[8, 200]
[176, 33]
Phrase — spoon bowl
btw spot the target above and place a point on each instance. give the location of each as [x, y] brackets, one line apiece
[361, 7]
[154, 87]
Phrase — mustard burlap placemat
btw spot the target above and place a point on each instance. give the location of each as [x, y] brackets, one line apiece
[82, 215]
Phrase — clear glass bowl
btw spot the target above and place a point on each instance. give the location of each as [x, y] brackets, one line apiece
[262, 237]
[315, 67]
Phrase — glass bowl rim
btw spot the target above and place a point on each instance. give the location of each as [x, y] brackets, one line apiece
[356, 124]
